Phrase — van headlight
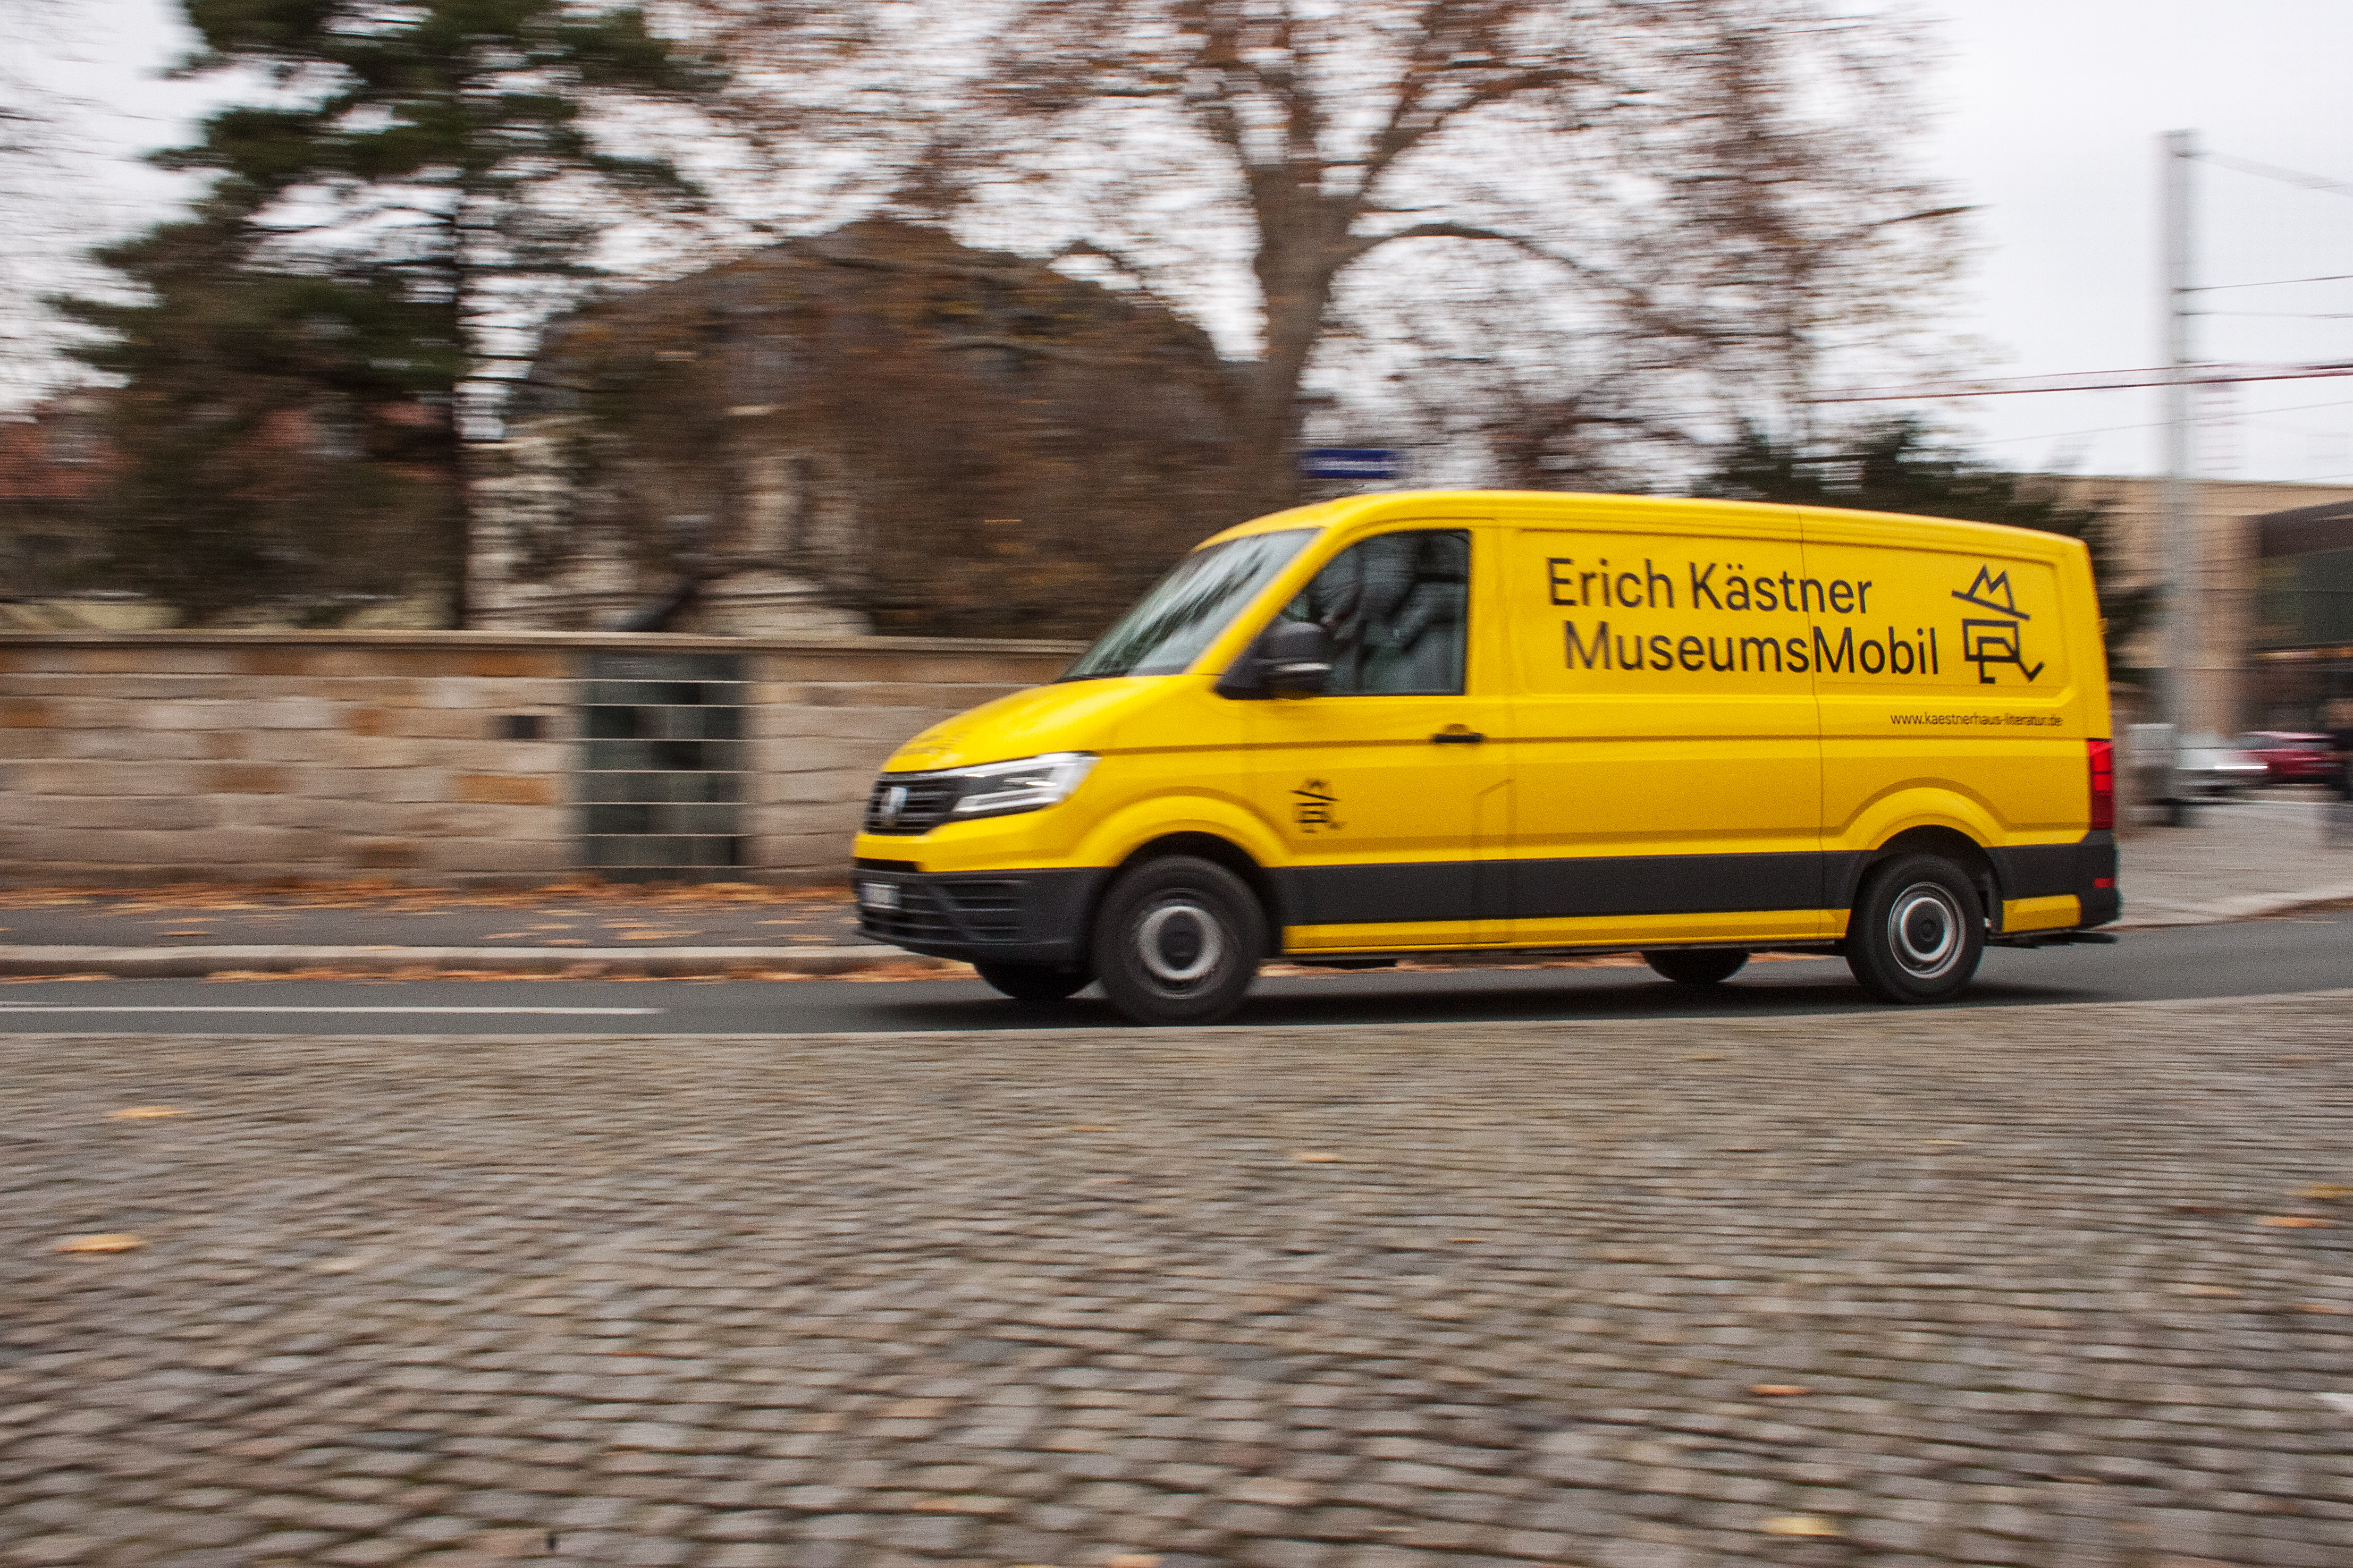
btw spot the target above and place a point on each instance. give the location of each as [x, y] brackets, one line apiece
[1000, 789]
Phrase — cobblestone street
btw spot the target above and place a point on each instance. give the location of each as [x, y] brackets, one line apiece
[2062, 1286]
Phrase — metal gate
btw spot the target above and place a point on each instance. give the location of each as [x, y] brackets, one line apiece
[661, 772]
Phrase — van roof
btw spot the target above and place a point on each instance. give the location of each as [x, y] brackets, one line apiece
[1432, 503]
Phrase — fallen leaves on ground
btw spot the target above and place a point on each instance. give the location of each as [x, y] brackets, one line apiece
[571, 972]
[1779, 1390]
[909, 971]
[2295, 1221]
[383, 893]
[1316, 1157]
[144, 1112]
[111, 1241]
[2325, 1192]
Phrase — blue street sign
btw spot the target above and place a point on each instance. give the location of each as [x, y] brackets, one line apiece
[1348, 463]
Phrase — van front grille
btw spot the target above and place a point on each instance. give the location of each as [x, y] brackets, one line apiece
[911, 803]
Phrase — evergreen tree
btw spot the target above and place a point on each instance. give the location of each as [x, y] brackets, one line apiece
[279, 445]
[422, 183]
[1898, 466]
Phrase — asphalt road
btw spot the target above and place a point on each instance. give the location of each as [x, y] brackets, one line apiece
[2252, 958]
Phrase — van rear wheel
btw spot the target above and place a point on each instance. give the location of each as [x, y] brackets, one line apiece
[1696, 966]
[1917, 932]
[1179, 941]
[1033, 981]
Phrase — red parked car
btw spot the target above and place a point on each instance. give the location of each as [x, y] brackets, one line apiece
[2292, 756]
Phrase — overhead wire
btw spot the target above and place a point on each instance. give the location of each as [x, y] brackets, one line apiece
[2297, 177]
[2271, 283]
[2264, 171]
[2273, 172]
[2150, 424]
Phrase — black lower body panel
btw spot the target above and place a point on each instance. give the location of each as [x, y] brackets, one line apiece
[981, 917]
[1551, 889]
[1041, 916]
[2086, 869]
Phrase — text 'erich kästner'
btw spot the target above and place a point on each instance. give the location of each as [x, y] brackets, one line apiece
[1601, 586]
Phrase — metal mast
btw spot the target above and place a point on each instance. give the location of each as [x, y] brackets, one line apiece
[2178, 531]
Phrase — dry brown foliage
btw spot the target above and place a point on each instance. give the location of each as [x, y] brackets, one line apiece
[385, 894]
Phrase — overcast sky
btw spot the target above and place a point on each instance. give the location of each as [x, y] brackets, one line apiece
[2051, 112]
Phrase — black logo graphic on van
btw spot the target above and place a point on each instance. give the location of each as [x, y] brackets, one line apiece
[1312, 805]
[1983, 588]
[1989, 642]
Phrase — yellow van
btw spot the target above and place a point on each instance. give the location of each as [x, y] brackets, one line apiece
[1478, 722]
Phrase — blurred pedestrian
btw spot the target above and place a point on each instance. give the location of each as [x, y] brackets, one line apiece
[2336, 828]
[2340, 738]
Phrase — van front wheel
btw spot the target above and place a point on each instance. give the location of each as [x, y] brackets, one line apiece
[1917, 932]
[1179, 941]
[1696, 966]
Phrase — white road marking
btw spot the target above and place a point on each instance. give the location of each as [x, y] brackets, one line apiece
[559, 1011]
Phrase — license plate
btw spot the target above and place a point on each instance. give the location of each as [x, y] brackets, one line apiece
[879, 895]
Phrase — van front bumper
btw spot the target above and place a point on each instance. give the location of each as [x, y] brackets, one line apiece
[979, 917]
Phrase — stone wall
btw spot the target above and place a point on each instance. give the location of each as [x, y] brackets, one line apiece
[443, 757]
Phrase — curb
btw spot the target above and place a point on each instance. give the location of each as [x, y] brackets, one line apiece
[181, 963]
[2247, 907]
[186, 962]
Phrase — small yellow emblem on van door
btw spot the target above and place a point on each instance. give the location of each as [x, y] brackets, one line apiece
[1313, 805]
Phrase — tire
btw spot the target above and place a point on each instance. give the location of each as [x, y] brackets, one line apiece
[1179, 941]
[1696, 966]
[1917, 931]
[1033, 981]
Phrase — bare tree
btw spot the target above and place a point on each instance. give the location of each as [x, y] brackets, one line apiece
[1722, 181]
[1490, 376]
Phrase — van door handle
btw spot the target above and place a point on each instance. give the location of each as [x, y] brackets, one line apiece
[1458, 737]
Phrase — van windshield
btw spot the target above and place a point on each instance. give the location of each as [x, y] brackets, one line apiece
[1170, 625]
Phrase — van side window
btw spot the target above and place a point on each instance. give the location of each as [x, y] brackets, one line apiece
[1398, 609]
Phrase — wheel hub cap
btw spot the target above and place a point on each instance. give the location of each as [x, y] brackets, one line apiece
[1925, 930]
[1179, 942]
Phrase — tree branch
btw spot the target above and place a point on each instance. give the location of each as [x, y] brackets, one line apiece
[1024, 346]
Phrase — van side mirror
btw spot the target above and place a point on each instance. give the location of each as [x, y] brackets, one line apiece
[1289, 659]
[1297, 659]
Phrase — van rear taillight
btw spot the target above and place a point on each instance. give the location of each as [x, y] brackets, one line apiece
[2103, 785]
